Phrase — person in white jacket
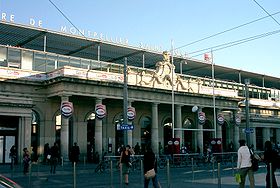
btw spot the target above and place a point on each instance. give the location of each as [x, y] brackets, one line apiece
[244, 165]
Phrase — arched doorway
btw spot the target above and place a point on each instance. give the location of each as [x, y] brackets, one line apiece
[146, 125]
[90, 118]
[188, 134]
[207, 135]
[167, 130]
[35, 136]
[225, 135]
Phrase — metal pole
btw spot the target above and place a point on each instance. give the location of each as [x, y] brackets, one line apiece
[111, 172]
[74, 176]
[125, 98]
[270, 175]
[219, 176]
[247, 82]
[168, 174]
[45, 43]
[172, 96]
[192, 170]
[214, 98]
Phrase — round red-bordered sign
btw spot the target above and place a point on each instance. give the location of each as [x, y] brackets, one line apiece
[66, 109]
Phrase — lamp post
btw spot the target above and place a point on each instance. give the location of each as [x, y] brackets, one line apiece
[247, 132]
[125, 98]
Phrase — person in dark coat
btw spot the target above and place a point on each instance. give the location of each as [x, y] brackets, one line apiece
[150, 163]
[46, 152]
[26, 161]
[270, 156]
[54, 157]
[75, 153]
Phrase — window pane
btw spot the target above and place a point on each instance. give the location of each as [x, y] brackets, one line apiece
[63, 61]
[27, 60]
[14, 58]
[51, 63]
[39, 62]
[3, 56]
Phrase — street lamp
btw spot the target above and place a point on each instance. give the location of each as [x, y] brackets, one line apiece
[247, 132]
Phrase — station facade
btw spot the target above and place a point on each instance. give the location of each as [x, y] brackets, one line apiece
[41, 69]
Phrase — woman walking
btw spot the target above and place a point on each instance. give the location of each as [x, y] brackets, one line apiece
[270, 157]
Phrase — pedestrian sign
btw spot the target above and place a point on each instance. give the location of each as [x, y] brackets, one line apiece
[126, 127]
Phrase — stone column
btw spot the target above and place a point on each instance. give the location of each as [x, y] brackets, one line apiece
[154, 130]
[98, 131]
[266, 134]
[178, 122]
[199, 132]
[236, 137]
[218, 127]
[24, 140]
[64, 136]
[129, 132]
[277, 135]
[253, 137]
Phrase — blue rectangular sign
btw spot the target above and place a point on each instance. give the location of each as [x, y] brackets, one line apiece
[126, 127]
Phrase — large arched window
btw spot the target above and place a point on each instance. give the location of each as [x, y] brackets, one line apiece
[188, 135]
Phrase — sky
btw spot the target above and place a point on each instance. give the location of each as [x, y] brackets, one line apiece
[155, 23]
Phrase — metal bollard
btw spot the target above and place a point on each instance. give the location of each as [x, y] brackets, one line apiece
[232, 165]
[141, 170]
[29, 178]
[213, 169]
[84, 160]
[62, 161]
[121, 178]
[168, 174]
[111, 172]
[192, 170]
[219, 175]
[270, 175]
[74, 176]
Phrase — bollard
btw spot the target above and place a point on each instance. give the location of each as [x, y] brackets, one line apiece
[111, 172]
[62, 161]
[232, 167]
[74, 175]
[270, 175]
[219, 175]
[84, 160]
[29, 178]
[121, 179]
[168, 174]
[141, 171]
[213, 169]
[192, 170]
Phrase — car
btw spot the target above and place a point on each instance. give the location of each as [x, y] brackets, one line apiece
[8, 183]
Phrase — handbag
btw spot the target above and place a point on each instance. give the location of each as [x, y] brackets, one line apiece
[49, 156]
[150, 174]
[237, 177]
[254, 161]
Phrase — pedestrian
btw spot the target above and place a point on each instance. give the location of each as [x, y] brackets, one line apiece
[125, 163]
[244, 165]
[26, 161]
[149, 164]
[54, 152]
[75, 153]
[270, 156]
[13, 156]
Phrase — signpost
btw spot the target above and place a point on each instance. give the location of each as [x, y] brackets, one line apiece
[126, 127]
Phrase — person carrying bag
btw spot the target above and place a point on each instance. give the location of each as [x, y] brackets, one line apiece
[150, 168]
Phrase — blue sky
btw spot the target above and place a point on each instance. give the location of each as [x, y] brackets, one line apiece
[157, 22]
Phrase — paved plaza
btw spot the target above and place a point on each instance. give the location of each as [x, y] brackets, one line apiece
[86, 177]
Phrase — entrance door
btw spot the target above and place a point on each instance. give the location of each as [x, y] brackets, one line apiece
[6, 142]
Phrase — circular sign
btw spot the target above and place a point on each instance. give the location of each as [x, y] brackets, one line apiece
[66, 109]
[237, 120]
[201, 117]
[131, 114]
[213, 142]
[169, 142]
[219, 142]
[194, 109]
[176, 142]
[100, 111]
[221, 119]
